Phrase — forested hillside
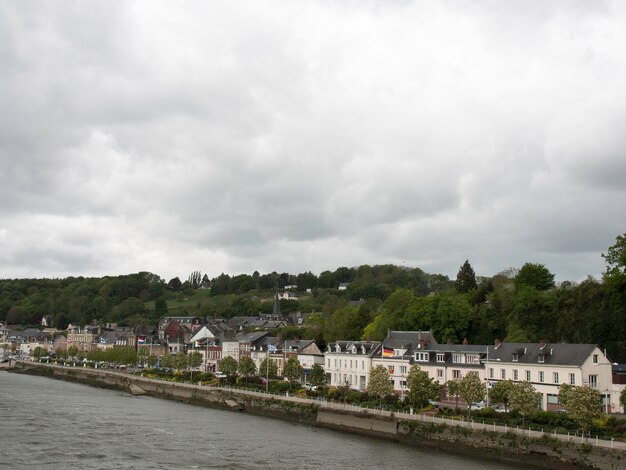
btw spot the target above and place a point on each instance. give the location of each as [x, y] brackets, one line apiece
[516, 305]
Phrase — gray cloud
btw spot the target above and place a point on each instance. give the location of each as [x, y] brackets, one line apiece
[277, 136]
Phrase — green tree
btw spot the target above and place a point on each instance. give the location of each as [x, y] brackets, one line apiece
[615, 256]
[317, 376]
[39, 352]
[500, 393]
[228, 366]
[268, 367]
[582, 404]
[379, 386]
[180, 361]
[72, 351]
[471, 389]
[452, 386]
[194, 279]
[142, 355]
[246, 367]
[167, 361]
[524, 399]
[535, 275]
[293, 369]
[622, 398]
[421, 387]
[160, 307]
[195, 359]
[466, 278]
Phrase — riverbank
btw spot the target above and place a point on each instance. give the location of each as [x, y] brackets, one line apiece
[532, 448]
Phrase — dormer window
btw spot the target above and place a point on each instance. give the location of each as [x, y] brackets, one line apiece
[542, 358]
[441, 357]
[515, 357]
[422, 356]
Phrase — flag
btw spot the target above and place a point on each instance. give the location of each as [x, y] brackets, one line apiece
[271, 348]
[387, 352]
[196, 344]
[141, 340]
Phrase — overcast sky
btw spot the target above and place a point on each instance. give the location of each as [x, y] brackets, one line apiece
[291, 136]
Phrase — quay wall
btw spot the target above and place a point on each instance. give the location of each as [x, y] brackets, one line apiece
[541, 452]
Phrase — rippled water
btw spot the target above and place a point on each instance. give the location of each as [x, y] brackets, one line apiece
[48, 423]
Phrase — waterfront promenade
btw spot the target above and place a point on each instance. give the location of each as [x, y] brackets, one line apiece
[362, 411]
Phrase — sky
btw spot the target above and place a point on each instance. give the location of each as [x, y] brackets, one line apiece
[303, 136]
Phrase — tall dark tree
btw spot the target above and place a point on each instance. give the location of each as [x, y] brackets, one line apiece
[466, 278]
[175, 284]
[535, 275]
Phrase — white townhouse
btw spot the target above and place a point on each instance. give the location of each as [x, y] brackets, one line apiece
[399, 352]
[350, 362]
[548, 365]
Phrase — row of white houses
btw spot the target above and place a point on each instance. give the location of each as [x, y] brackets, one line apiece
[545, 365]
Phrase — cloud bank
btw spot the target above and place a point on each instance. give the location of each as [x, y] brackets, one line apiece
[241, 136]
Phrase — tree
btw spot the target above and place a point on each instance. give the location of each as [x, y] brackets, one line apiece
[622, 398]
[194, 279]
[524, 398]
[39, 352]
[471, 389]
[317, 376]
[379, 386]
[246, 367]
[453, 390]
[229, 365]
[293, 369]
[166, 361]
[582, 404]
[421, 387]
[268, 367]
[195, 359]
[615, 256]
[142, 355]
[535, 275]
[180, 361]
[500, 393]
[174, 284]
[466, 278]
[160, 307]
[72, 351]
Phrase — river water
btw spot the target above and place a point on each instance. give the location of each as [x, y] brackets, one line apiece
[48, 423]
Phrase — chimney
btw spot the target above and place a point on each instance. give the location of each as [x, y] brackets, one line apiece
[422, 344]
[542, 343]
[449, 342]
[497, 344]
[465, 342]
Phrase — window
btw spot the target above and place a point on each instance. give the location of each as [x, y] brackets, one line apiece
[390, 369]
[593, 381]
[542, 358]
[350, 363]
[595, 358]
[515, 357]
[441, 357]
[472, 358]
[439, 373]
[553, 399]
[491, 372]
[503, 374]
[541, 376]
[456, 374]
[403, 384]
[335, 363]
[458, 358]
[515, 374]
[362, 364]
[422, 356]
[555, 375]
[403, 369]
[572, 379]
[527, 376]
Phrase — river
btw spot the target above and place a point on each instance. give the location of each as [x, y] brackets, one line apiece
[48, 423]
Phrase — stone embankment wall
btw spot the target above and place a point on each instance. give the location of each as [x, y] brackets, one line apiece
[544, 451]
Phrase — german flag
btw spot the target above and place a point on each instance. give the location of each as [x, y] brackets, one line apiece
[387, 352]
